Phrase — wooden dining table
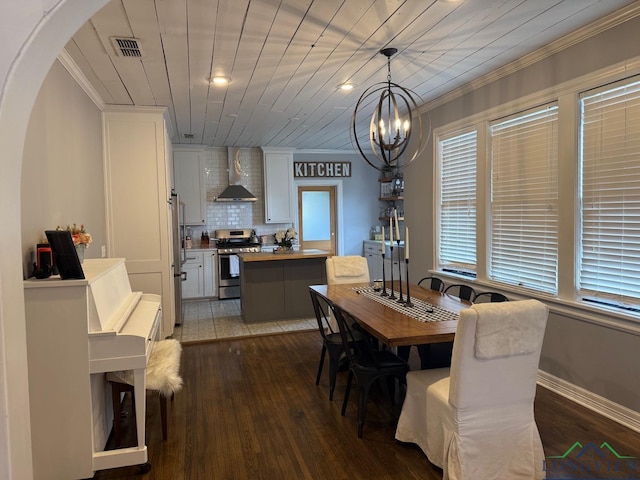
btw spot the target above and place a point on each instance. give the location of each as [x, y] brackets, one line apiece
[395, 324]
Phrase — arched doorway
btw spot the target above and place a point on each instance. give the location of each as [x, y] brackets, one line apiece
[33, 37]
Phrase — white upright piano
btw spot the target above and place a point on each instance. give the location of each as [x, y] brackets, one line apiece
[76, 331]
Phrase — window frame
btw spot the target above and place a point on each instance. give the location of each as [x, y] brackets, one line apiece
[567, 300]
[464, 269]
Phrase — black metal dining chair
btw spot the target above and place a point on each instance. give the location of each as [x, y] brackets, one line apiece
[434, 283]
[331, 340]
[367, 365]
[490, 297]
[464, 292]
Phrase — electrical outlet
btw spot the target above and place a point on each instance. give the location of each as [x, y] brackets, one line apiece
[104, 251]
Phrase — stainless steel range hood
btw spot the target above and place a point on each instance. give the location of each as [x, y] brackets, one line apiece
[235, 192]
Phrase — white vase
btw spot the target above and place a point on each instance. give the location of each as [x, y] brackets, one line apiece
[80, 251]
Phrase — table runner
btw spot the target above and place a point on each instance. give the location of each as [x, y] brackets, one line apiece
[421, 310]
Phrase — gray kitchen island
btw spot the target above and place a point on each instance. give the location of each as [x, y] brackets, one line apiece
[275, 286]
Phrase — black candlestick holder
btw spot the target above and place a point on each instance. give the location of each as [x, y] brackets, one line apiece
[384, 279]
[400, 299]
[408, 302]
[393, 295]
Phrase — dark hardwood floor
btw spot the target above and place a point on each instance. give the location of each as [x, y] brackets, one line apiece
[250, 409]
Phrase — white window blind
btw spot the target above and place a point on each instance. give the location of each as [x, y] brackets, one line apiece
[457, 222]
[524, 200]
[610, 194]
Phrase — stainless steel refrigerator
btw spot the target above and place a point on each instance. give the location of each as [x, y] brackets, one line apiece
[178, 229]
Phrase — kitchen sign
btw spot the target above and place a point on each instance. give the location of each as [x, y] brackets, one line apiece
[321, 169]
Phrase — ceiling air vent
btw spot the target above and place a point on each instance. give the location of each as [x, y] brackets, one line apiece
[127, 47]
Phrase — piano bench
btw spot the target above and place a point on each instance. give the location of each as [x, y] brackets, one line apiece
[162, 375]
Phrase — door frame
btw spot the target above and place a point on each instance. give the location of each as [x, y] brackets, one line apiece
[339, 217]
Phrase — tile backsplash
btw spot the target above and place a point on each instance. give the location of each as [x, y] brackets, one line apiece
[235, 214]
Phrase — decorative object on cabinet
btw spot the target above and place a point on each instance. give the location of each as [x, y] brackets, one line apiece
[41, 272]
[65, 254]
[79, 234]
[391, 192]
[80, 237]
[284, 239]
[389, 131]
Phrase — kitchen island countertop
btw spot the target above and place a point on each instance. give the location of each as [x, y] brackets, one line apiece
[269, 256]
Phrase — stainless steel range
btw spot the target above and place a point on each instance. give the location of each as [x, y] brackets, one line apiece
[229, 244]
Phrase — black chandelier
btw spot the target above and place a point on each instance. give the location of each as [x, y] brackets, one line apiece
[393, 123]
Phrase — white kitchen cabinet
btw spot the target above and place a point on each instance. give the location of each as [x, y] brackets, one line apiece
[210, 259]
[190, 184]
[193, 285]
[137, 161]
[279, 205]
[388, 264]
[373, 254]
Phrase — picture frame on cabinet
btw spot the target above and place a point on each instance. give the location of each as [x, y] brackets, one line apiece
[65, 256]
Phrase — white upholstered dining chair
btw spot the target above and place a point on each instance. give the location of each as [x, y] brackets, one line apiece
[475, 420]
[347, 269]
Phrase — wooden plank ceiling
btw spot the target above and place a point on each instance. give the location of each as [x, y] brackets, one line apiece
[286, 58]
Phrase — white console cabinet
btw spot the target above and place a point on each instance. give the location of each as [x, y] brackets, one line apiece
[373, 253]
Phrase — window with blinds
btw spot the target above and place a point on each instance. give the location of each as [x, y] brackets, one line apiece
[609, 258]
[524, 200]
[457, 214]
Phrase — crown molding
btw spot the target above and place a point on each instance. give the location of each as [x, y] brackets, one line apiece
[324, 151]
[72, 67]
[605, 23]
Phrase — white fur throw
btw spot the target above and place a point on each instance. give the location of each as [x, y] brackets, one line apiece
[509, 328]
[163, 369]
[348, 266]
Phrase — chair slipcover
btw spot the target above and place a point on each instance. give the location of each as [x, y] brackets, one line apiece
[347, 269]
[475, 420]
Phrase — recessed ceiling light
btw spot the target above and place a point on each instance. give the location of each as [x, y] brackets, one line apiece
[220, 80]
[346, 86]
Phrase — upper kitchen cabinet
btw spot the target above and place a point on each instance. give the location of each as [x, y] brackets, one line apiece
[137, 157]
[188, 166]
[279, 195]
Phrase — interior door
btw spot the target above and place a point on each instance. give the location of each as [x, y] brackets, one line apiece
[317, 218]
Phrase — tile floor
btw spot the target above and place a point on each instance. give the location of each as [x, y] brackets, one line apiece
[214, 319]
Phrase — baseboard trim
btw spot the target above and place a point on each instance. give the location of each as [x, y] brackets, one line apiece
[618, 413]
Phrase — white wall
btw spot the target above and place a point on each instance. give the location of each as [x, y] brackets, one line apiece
[62, 174]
